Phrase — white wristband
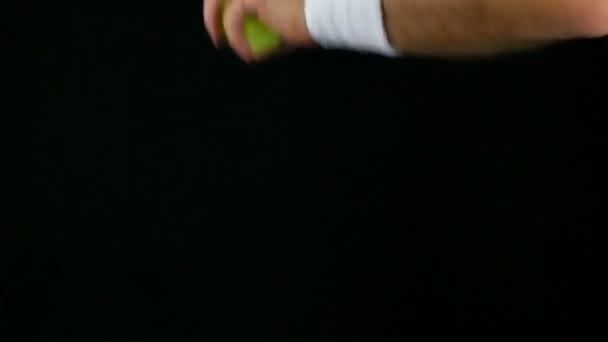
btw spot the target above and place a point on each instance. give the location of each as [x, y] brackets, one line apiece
[349, 24]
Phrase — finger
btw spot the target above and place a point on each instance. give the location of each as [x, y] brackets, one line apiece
[236, 13]
[274, 53]
[212, 13]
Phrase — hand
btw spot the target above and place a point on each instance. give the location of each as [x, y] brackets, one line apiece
[285, 17]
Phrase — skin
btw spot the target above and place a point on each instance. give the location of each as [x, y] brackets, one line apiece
[438, 28]
[284, 17]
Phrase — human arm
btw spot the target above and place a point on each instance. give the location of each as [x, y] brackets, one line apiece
[441, 28]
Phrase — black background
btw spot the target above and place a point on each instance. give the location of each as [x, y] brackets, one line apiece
[159, 189]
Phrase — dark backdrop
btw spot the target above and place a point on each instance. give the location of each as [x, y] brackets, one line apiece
[157, 188]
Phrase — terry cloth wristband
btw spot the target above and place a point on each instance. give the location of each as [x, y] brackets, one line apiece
[349, 24]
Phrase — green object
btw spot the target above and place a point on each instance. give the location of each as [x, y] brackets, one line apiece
[261, 39]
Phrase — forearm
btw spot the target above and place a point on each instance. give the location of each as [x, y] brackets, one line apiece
[482, 27]
[440, 28]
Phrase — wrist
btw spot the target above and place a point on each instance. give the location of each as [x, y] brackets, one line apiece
[304, 37]
[348, 24]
